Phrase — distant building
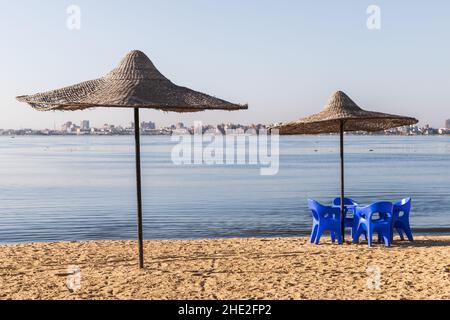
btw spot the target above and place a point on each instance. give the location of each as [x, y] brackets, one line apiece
[447, 124]
[66, 127]
[85, 125]
[148, 125]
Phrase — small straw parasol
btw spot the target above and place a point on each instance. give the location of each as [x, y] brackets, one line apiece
[134, 83]
[339, 115]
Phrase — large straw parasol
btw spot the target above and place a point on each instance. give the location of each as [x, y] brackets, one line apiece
[339, 115]
[134, 83]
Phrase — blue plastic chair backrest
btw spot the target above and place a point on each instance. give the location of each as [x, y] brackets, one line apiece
[383, 208]
[320, 211]
[315, 208]
[347, 201]
[403, 205]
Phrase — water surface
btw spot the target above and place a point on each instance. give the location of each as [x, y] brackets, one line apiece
[79, 188]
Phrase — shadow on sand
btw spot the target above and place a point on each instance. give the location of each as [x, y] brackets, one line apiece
[436, 242]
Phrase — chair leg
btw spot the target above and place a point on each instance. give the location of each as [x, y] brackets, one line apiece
[333, 236]
[355, 235]
[387, 240]
[339, 237]
[400, 233]
[369, 237]
[319, 234]
[409, 233]
[313, 233]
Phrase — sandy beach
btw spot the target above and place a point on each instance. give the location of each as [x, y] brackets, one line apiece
[278, 268]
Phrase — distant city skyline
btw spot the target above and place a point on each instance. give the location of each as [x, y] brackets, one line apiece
[150, 128]
[148, 123]
[282, 58]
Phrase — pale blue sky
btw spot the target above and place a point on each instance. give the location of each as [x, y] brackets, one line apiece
[283, 58]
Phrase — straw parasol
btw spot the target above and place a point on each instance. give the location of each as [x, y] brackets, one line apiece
[339, 115]
[134, 83]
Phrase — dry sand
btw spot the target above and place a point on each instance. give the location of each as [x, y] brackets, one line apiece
[279, 268]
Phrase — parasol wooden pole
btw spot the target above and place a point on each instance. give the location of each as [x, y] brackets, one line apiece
[137, 139]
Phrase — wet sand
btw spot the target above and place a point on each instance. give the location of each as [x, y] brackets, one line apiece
[278, 268]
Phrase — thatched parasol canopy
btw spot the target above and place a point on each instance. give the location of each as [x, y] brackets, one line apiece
[134, 83]
[340, 108]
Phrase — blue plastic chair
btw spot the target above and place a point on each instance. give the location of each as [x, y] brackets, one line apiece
[369, 224]
[401, 218]
[325, 218]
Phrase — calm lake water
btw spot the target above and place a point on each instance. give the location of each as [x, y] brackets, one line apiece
[79, 188]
